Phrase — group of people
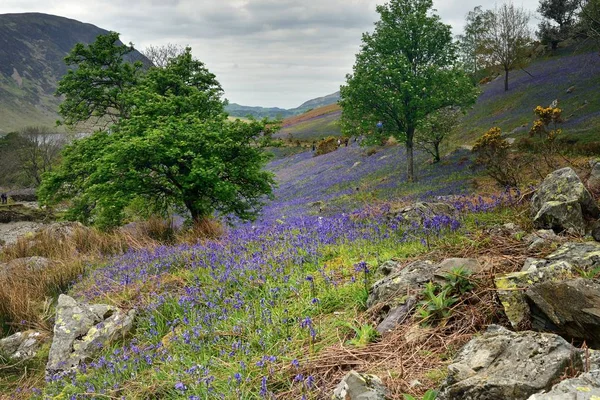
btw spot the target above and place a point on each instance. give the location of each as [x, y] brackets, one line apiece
[4, 198]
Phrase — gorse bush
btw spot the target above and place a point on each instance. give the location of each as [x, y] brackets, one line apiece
[494, 154]
[326, 146]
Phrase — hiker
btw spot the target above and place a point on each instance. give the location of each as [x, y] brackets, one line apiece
[339, 142]
[314, 146]
[4, 198]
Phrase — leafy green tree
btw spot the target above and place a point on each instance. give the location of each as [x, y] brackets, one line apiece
[590, 19]
[174, 149]
[96, 86]
[505, 41]
[436, 127]
[406, 69]
[563, 13]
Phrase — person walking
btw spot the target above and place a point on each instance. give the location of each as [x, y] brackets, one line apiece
[4, 198]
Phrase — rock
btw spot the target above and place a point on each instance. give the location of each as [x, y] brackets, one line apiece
[584, 256]
[571, 89]
[419, 211]
[569, 308]
[406, 281]
[596, 231]
[397, 315]
[533, 264]
[21, 195]
[357, 386]
[21, 345]
[562, 201]
[504, 365]
[388, 267]
[584, 387]
[593, 182]
[539, 239]
[81, 330]
[511, 288]
[25, 265]
[470, 265]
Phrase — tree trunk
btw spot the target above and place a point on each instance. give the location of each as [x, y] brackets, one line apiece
[506, 80]
[436, 153]
[410, 133]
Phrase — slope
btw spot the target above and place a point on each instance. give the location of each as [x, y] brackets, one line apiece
[32, 51]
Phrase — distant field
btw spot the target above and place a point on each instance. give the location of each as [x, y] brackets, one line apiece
[312, 125]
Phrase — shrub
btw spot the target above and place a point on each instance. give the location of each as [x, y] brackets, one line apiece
[493, 152]
[326, 145]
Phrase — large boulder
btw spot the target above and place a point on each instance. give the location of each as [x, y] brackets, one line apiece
[23, 195]
[357, 386]
[406, 281]
[562, 202]
[82, 329]
[569, 308]
[504, 365]
[584, 387]
[21, 345]
[511, 288]
[420, 211]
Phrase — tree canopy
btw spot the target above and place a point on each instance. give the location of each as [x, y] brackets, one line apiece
[406, 69]
[171, 146]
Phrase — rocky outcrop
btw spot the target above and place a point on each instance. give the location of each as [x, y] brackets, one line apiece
[593, 182]
[511, 288]
[21, 345]
[583, 256]
[81, 330]
[420, 211]
[584, 387]
[562, 202]
[23, 195]
[404, 282]
[569, 308]
[504, 365]
[357, 386]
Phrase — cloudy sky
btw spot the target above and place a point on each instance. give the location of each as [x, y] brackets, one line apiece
[272, 53]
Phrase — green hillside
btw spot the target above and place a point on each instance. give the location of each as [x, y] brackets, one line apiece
[32, 51]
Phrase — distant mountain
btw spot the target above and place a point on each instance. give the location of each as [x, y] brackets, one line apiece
[236, 110]
[32, 51]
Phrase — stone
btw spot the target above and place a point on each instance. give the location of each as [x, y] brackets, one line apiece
[388, 267]
[397, 315]
[593, 182]
[471, 265]
[417, 212]
[540, 238]
[562, 202]
[404, 282]
[23, 195]
[511, 288]
[357, 386]
[532, 264]
[570, 89]
[570, 308]
[81, 330]
[584, 387]
[584, 256]
[21, 345]
[596, 231]
[504, 365]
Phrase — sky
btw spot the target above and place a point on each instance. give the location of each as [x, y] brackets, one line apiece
[270, 53]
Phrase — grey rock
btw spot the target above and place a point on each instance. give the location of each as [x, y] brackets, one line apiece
[584, 387]
[471, 265]
[21, 195]
[21, 345]
[596, 231]
[511, 288]
[584, 256]
[532, 264]
[357, 386]
[562, 201]
[593, 181]
[570, 308]
[420, 211]
[81, 330]
[404, 282]
[397, 315]
[388, 267]
[540, 238]
[504, 365]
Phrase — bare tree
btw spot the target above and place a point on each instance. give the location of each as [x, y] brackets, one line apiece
[37, 149]
[160, 55]
[506, 40]
[590, 18]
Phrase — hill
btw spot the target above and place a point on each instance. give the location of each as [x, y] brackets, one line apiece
[236, 110]
[32, 51]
